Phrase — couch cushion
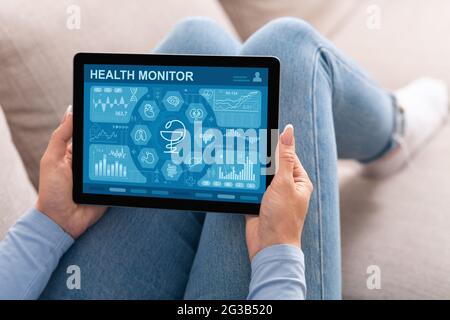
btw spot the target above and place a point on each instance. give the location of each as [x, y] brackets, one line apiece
[400, 225]
[36, 51]
[412, 40]
[16, 191]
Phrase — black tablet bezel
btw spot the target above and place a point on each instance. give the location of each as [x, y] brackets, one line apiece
[80, 59]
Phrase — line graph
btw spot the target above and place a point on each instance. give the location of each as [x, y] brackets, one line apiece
[108, 103]
[244, 103]
[113, 104]
[118, 153]
[234, 108]
[97, 134]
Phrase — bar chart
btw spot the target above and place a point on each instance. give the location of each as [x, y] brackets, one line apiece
[104, 169]
[113, 163]
[230, 172]
[226, 176]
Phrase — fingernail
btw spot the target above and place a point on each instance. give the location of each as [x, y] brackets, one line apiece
[287, 137]
[68, 111]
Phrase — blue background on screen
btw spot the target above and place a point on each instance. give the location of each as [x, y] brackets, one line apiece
[136, 118]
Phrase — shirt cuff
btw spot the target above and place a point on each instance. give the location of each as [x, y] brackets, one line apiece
[277, 252]
[278, 272]
[28, 255]
[46, 228]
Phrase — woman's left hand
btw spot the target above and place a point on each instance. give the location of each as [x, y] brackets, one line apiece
[56, 183]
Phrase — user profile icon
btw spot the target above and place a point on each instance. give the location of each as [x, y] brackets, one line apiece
[257, 77]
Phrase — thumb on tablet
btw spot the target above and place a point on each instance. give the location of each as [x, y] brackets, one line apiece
[285, 156]
[62, 135]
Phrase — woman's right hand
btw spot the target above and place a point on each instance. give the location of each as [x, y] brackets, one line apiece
[285, 202]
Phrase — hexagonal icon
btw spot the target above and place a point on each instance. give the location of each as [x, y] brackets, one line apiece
[189, 181]
[140, 134]
[148, 158]
[196, 112]
[149, 110]
[171, 171]
[173, 100]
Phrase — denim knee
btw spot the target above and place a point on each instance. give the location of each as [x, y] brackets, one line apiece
[197, 24]
[199, 35]
[287, 31]
[295, 42]
[291, 27]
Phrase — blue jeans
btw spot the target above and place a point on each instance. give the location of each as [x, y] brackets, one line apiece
[161, 254]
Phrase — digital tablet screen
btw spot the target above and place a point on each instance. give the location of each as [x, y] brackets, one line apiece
[175, 132]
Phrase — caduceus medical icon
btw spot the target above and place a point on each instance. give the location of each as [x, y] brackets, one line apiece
[175, 133]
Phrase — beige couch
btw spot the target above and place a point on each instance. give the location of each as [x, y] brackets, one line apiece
[400, 224]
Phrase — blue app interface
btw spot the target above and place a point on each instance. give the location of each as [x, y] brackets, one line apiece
[185, 132]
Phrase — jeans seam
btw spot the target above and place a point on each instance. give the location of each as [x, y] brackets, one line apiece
[351, 70]
[391, 143]
[317, 169]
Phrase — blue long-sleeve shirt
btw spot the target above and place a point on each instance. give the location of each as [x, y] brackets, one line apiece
[32, 248]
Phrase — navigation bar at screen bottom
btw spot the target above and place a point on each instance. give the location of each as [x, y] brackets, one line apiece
[158, 193]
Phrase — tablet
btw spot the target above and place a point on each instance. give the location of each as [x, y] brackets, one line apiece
[184, 132]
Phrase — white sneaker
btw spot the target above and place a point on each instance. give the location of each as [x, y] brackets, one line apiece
[425, 106]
